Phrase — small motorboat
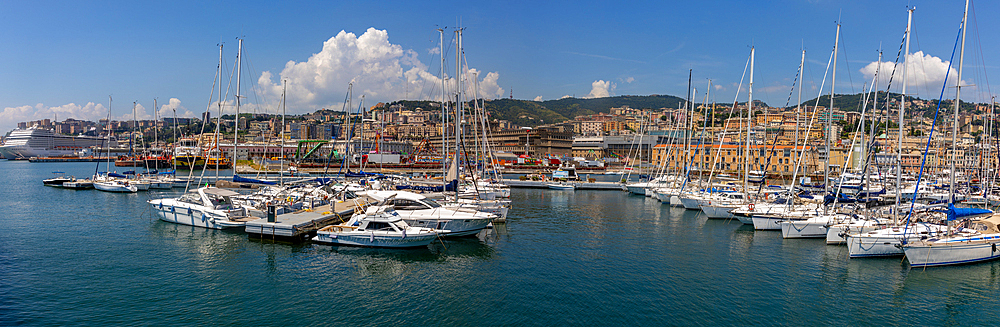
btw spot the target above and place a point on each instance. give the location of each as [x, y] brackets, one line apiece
[561, 186]
[58, 180]
[378, 226]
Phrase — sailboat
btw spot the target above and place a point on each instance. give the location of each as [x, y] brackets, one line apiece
[973, 243]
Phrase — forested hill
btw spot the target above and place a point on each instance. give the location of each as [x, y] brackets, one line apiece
[534, 113]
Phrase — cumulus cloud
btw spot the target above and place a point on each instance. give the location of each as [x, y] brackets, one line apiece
[566, 96]
[174, 105]
[10, 116]
[538, 98]
[718, 87]
[923, 72]
[380, 70]
[601, 89]
[629, 79]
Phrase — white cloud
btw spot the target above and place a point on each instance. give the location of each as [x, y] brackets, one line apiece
[924, 72]
[380, 70]
[10, 116]
[602, 89]
[566, 96]
[538, 98]
[174, 104]
[629, 79]
[718, 87]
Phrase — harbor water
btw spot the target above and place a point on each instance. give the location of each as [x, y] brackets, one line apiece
[563, 257]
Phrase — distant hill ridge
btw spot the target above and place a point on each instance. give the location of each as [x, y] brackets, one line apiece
[534, 113]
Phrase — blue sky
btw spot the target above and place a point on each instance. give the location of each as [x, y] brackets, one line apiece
[64, 58]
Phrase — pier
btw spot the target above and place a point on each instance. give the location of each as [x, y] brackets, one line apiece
[608, 186]
[301, 225]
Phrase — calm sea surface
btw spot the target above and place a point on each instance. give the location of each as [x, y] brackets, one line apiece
[582, 258]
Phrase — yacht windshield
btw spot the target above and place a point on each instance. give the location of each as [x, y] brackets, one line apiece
[431, 203]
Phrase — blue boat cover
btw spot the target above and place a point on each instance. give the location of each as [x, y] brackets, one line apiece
[116, 175]
[441, 188]
[171, 172]
[955, 213]
[240, 179]
[360, 174]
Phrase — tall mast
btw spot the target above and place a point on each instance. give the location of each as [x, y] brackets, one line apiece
[156, 136]
[902, 107]
[829, 119]
[746, 155]
[458, 100]
[687, 127]
[444, 113]
[866, 145]
[219, 118]
[131, 137]
[281, 146]
[958, 100]
[236, 128]
[701, 138]
[798, 111]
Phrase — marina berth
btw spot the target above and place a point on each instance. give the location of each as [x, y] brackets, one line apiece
[837, 233]
[376, 226]
[975, 242]
[419, 211]
[207, 207]
[925, 222]
[113, 182]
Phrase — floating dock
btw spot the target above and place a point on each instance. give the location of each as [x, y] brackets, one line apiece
[68, 159]
[301, 225]
[609, 186]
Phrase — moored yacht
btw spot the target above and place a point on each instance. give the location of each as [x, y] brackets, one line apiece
[377, 226]
[207, 207]
[420, 211]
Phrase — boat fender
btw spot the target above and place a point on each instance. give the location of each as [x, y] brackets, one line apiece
[994, 247]
[751, 206]
[203, 217]
[172, 209]
[189, 211]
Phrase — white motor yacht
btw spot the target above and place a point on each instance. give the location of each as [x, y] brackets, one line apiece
[207, 207]
[378, 226]
[419, 211]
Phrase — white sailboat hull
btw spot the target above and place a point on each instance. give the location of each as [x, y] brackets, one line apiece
[952, 253]
[810, 228]
[452, 227]
[767, 222]
[718, 211]
[690, 203]
[838, 234]
[382, 240]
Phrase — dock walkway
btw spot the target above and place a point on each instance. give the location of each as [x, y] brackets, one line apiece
[300, 225]
[609, 186]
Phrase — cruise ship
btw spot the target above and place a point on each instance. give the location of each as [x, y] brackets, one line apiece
[40, 142]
